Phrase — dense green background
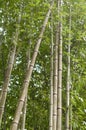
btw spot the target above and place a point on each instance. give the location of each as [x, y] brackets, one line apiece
[32, 15]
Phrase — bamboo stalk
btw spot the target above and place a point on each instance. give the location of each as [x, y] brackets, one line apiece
[71, 113]
[51, 80]
[24, 114]
[59, 104]
[29, 73]
[8, 72]
[68, 78]
[55, 86]
[55, 89]
[25, 102]
[6, 82]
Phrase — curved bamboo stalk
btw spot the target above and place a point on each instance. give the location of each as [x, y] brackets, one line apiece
[8, 72]
[29, 73]
[6, 82]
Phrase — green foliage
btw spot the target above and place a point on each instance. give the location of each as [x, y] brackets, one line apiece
[32, 15]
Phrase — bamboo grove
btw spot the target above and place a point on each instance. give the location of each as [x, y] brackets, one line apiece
[42, 65]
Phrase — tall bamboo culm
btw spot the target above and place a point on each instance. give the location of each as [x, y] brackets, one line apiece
[55, 87]
[51, 79]
[23, 116]
[71, 112]
[28, 74]
[56, 73]
[68, 79]
[8, 71]
[23, 120]
[59, 103]
[6, 82]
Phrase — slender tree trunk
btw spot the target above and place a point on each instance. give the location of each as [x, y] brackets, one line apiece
[55, 90]
[59, 105]
[29, 73]
[56, 62]
[71, 89]
[6, 82]
[8, 73]
[25, 102]
[24, 114]
[71, 110]
[3, 71]
[55, 87]
[51, 83]
[68, 78]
